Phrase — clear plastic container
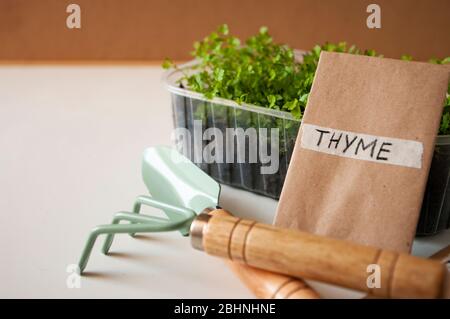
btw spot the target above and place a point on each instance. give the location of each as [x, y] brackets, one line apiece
[189, 106]
[435, 213]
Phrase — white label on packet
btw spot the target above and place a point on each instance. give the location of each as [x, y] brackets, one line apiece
[379, 149]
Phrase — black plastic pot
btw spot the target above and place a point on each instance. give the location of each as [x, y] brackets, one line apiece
[221, 114]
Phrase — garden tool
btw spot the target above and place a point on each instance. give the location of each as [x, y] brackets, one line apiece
[181, 189]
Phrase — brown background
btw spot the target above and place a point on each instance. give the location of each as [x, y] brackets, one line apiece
[152, 30]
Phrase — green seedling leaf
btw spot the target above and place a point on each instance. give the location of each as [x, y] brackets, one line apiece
[167, 63]
[265, 73]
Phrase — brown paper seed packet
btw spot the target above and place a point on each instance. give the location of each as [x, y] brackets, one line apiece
[363, 151]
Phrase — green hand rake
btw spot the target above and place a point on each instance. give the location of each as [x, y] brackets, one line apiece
[177, 187]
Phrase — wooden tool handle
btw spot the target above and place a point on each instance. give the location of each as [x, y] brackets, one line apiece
[301, 254]
[268, 285]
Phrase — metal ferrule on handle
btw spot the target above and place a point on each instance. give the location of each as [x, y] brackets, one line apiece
[309, 256]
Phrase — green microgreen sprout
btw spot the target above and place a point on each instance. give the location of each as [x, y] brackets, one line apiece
[264, 73]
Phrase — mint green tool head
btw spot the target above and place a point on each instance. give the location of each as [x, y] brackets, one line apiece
[176, 185]
[173, 179]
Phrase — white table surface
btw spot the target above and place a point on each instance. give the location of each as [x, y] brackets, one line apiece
[71, 139]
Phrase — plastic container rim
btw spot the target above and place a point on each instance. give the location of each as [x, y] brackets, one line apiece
[171, 76]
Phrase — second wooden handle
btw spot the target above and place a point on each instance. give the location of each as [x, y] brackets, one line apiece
[305, 255]
[269, 285]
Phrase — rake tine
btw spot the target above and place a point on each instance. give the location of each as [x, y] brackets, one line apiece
[174, 213]
[148, 226]
[133, 218]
